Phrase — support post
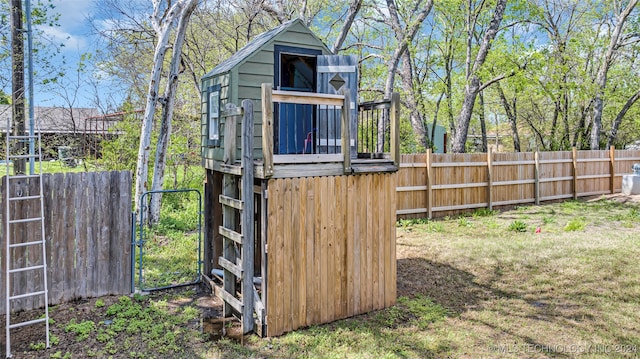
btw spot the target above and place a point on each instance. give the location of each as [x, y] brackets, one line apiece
[612, 169]
[267, 129]
[574, 156]
[429, 184]
[248, 237]
[346, 132]
[394, 113]
[536, 173]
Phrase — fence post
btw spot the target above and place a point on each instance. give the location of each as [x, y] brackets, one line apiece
[429, 184]
[536, 173]
[612, 168]
[489, 178]
[574, 155]
[267, 130]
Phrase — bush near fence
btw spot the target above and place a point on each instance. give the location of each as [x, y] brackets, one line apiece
[436, 185]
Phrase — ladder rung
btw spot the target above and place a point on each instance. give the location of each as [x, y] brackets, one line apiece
[23, 137]
[26, 295]
[16, 177]
[23, 156]
[25, 220]
[25, 198]
[230, 202]
[229, 266]
[229, 234]
[16, 270]
[15, 245]
[30, 322]
[231, 300]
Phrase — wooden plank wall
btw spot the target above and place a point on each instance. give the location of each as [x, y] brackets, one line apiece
[87, 219]
[331, 248]
[436, 185]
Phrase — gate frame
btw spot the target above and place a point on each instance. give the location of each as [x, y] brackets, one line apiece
[139, 242]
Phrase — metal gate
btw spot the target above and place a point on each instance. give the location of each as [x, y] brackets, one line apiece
[168, 254]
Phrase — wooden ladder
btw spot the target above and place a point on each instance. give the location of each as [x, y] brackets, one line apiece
[237, 198]
[24, 235]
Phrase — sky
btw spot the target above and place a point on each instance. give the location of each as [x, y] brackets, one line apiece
[75, 32]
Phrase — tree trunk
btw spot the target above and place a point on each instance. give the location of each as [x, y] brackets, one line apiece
[404, 38]
[620, 116]
[162, 29]
[511, 115]
[167, 113]
[417, 121]
[601, 80]
[483, 125]
[354, 8]
[473, 82]
[17, 83]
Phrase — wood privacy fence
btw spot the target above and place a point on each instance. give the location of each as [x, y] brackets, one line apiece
[436, 185]
[87, 219]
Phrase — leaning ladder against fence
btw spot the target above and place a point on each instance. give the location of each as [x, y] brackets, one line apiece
[238, 248]
[21, 233]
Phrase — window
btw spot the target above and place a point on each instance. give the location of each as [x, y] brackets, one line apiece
[294, 125]
[213, 116]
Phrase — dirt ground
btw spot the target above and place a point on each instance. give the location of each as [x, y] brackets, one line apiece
[86, 309]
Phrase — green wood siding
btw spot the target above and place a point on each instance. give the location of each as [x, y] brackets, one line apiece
[245, 79]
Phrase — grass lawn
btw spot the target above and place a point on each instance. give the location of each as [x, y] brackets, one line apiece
[488, 285]
[560, 280]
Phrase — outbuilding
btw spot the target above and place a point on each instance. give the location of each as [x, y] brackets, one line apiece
[300, 185]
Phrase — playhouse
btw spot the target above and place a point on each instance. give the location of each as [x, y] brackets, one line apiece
[300, 185]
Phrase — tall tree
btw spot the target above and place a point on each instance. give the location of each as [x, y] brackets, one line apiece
[601, 80]
[168, 101]
[473, 87]
[162, 19]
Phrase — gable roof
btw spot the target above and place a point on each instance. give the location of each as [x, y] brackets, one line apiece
[254, 46]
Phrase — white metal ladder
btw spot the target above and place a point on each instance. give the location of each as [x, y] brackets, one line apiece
[13, 198]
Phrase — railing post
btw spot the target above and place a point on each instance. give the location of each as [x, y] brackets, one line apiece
[394, 114]
[612, 169]
[267, 129]
[229, 156]
[346, 132]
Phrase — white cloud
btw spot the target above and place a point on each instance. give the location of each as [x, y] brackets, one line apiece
[70, 41]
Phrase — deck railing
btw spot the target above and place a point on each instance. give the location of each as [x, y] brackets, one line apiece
[379, 142]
